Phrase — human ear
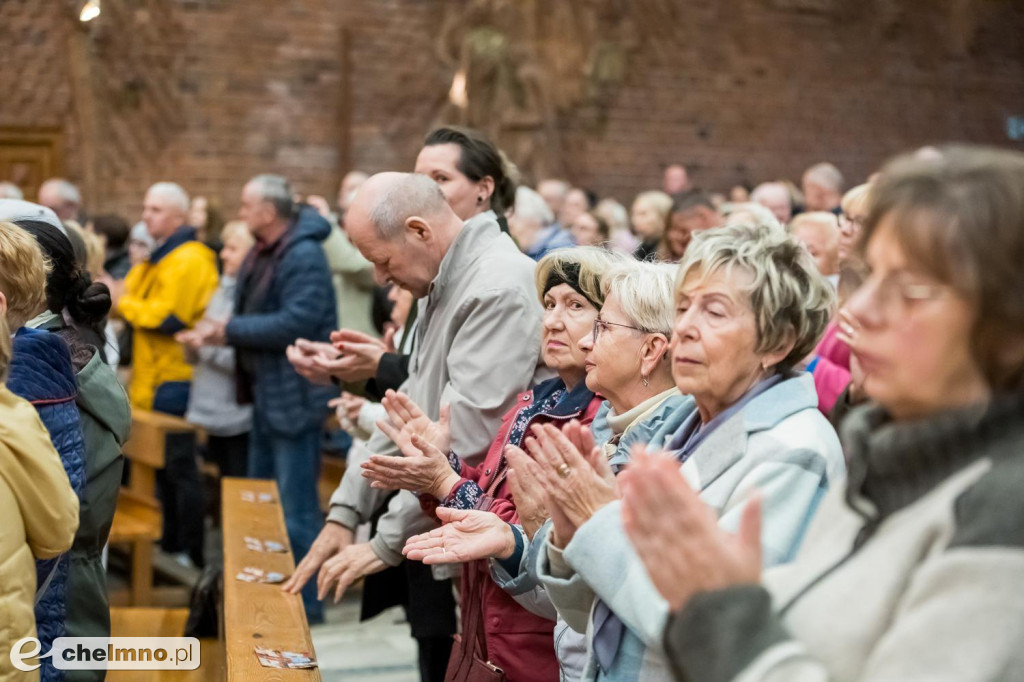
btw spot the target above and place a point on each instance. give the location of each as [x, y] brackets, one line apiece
[653, 352]
[417, 228]
[774, 357]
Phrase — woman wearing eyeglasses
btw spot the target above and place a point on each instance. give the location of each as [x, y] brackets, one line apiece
[569, 287]
[625, 357]
[914, 570]
[749, 306]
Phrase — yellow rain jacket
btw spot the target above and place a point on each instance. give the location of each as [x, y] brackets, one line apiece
[162, 296]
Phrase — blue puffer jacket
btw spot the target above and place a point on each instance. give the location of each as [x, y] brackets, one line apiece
[41, 373]
[299, 303]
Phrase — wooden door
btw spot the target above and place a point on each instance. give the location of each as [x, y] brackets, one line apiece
[29, 156]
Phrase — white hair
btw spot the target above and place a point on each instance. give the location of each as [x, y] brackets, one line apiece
[749, 212]
[561, 186]
[790, 300]
[275, 190]
[172, 193]
[769, 189]
[408, 194]
[826, 175]
[614, 213]
[8, 190]
[645, 294]
[530, 205]
[64, 190]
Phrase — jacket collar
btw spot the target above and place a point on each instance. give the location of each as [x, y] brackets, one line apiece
[477, 235]
[573, 402]
[41, 370]
[727, 444]
[182, 235]
[892, 464]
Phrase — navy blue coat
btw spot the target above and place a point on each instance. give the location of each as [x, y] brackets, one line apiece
[299, 303]
[41, 373]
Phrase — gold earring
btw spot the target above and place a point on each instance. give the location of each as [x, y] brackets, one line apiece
[646, 382]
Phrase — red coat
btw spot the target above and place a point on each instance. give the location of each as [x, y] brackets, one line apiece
[518, 642]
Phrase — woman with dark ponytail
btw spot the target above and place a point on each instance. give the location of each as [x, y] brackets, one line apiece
[474, 175]
[71, 294]
[77, 310]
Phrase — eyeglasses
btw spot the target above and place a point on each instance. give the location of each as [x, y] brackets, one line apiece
[599, 324]
[894, 297]
[847, 218]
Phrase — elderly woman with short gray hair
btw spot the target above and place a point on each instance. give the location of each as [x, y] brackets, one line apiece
[749, 306]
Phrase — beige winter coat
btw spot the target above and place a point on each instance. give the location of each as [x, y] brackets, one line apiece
[39, 513]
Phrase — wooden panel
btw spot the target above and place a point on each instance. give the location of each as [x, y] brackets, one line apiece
[146, 622]
[149, 432]
[135, 519]
[257, 614]
[28, 157]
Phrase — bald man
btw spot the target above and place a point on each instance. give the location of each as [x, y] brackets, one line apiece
[478, 348]
[775, 197]
[823, 188]
[61, 197]
[819, 233]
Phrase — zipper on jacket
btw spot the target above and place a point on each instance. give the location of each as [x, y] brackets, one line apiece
[502, 467]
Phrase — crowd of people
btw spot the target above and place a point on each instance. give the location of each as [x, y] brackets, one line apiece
[769, 434]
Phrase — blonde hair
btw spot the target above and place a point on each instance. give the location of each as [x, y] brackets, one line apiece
[23, 273]
[95, 253]
[5, 349]
[644, 293]
[789, 298]
[588, 265]
[236, 228]
[856, 200]
[659, 201]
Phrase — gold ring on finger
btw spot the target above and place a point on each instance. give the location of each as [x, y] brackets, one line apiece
[563, 470]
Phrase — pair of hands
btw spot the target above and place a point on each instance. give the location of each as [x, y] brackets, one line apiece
[849, 327]
[207, 332]
[347, 408]
[537, 488]
[350, 356]
[423, 466]
[337, 562]
[675, 534]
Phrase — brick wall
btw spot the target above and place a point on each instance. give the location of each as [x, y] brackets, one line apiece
[210, 92]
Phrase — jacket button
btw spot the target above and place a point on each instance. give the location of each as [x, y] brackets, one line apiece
[526, 398]
[487, 472]
[495, 621]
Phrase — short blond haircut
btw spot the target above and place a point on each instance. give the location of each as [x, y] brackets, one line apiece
[591, 262]
[856, 200]
[22, 274]
[644, 292]
[237, 228]
[789, 298]
[659, 201]
[822, 220]
[95, 252]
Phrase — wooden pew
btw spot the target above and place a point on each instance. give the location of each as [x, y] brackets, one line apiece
[137, 520]
[258, 614]
[146, 622]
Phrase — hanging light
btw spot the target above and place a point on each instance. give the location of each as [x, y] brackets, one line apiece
[90, 10]
[457, 95]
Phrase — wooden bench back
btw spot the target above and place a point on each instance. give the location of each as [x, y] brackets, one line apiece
[258, 614]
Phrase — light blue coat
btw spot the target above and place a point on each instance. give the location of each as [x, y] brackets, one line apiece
[778, 443]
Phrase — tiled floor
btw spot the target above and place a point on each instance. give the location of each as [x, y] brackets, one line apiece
[379, 650]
